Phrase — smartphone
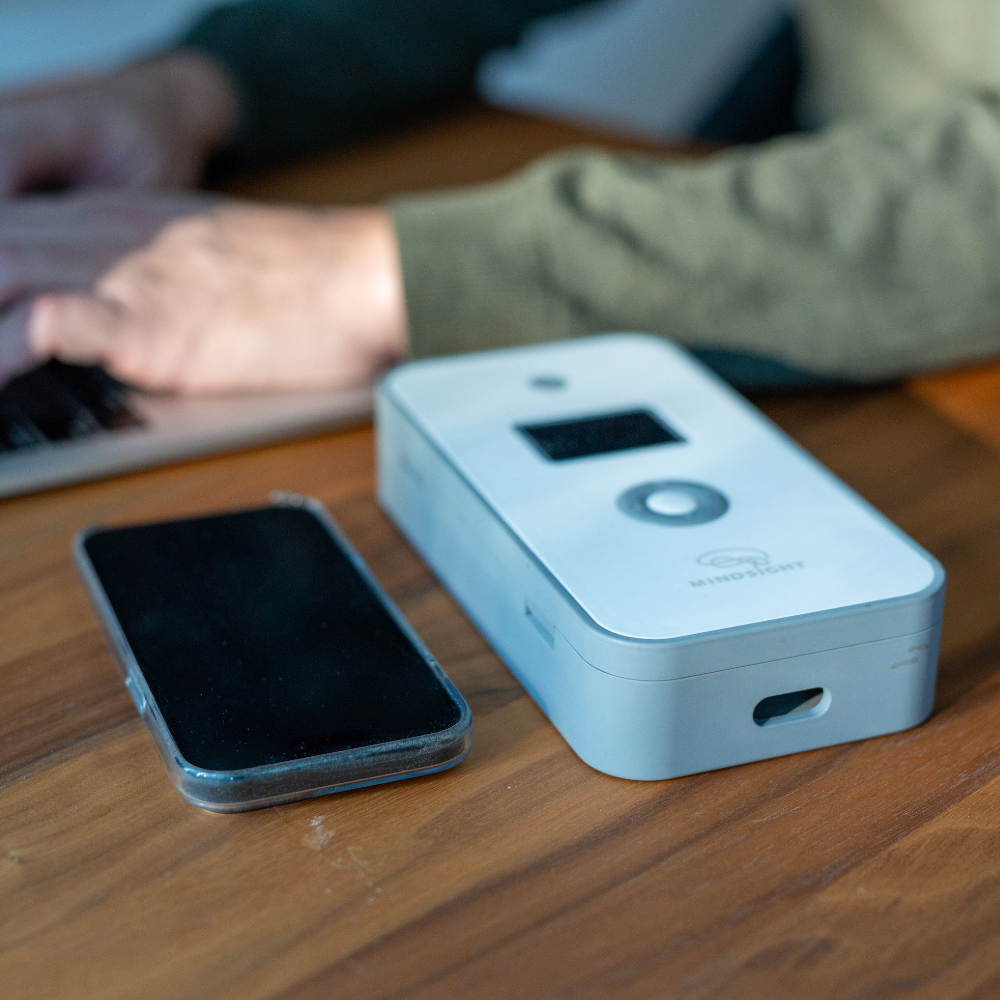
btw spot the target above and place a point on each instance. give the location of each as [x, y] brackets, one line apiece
[264, 658]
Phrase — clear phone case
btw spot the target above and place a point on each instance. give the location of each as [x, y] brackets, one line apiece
[271, 784]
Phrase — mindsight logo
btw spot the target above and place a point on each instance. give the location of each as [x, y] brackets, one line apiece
[744, 564]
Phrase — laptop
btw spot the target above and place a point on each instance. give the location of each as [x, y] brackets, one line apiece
[64, 423]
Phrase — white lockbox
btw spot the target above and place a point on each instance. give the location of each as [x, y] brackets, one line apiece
[676, 583]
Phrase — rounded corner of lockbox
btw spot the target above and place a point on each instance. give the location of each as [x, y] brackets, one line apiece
[933, 591]
[389, 382]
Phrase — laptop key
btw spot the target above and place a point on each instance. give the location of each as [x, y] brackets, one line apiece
[55, 417]
[103, 396]
[56, 402]
[16, 431]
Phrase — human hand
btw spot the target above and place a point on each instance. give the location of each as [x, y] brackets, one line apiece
[64, 243]
[242, 297]
[151, 125]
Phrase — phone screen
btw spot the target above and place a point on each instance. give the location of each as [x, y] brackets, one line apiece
[262, 642]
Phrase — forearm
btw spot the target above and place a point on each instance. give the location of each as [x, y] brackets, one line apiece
[866, 252]
[313, 72]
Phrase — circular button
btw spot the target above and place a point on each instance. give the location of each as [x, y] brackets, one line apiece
[671, 502]
[674, 502]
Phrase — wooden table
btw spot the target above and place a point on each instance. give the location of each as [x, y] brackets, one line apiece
[868, 870]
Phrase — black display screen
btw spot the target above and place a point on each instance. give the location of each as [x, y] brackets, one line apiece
[260, 640]
[599, 435]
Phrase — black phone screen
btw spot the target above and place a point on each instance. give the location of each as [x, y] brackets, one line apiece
[262, 642]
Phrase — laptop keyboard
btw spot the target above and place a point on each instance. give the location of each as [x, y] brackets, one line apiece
[55, 402]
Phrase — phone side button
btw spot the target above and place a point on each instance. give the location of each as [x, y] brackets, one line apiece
[140, 701]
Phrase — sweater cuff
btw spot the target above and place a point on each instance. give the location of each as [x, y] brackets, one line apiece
[475, 271]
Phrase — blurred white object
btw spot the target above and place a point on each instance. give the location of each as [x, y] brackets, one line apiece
[42, 39]
[643, 67]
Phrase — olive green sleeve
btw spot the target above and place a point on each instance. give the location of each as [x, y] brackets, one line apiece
[865, 252]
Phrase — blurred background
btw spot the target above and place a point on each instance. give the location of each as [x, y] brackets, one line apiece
[644, 68]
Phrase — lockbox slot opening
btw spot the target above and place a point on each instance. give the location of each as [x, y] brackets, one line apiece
[792, 706]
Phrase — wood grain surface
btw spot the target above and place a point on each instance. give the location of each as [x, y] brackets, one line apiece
[466, 144]
[968, 397]
[869, 870]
